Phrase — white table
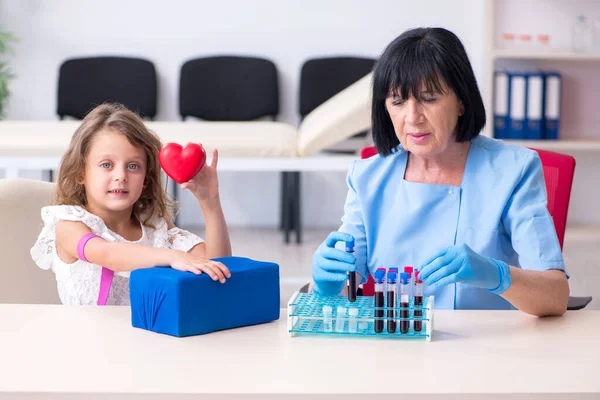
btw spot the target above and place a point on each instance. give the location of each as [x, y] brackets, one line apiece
[59, 352]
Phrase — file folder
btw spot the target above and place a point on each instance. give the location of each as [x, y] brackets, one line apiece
[552, 105]
[534, 125]
[501, 105]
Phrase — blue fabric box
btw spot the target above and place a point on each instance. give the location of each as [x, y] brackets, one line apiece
[178, 303]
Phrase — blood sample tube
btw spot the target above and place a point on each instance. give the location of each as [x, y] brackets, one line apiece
[379, 297]
[391, 301]
[418, 302]
[409, 270]
[351, 276]
[404, 323]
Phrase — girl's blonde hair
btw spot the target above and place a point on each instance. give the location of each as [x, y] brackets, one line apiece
[153, 200]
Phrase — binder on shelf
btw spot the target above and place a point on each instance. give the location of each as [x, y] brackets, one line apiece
[552, 105]
[518, 106]
[534, 120]
[501, 104]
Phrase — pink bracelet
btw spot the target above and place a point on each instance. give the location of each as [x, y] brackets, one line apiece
[81, 245]
[107, 274]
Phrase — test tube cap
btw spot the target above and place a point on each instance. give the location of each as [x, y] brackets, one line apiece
[394, 269]
[327, 309]
[391, 277]
[408, 269]
[341, 310]
[404, 277]
[353, 312]
[350, 245]
[379, 274]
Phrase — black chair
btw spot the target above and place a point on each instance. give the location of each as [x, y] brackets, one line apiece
[228, 88]
[84, 83]
[320, 79]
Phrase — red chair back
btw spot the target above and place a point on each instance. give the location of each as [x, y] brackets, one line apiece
[558, 174]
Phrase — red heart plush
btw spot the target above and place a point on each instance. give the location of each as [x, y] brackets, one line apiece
[182, 163]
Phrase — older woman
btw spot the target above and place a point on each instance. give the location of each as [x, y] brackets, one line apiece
[468, 210]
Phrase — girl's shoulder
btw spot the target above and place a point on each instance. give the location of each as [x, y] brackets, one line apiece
[51, 215]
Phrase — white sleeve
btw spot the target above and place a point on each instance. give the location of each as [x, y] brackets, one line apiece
[180, 239]
[44, 248]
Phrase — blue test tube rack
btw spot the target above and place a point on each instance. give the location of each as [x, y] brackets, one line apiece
[305, 317]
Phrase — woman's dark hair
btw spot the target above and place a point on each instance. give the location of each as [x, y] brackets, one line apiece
[426, 57]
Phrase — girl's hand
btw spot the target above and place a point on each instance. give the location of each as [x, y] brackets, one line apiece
[205, 185]
[188, 263]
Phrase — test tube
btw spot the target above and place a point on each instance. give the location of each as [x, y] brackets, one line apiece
[351, 276]
[391, 301]
[378, 324]
[418, 302]
[340, 318]
[409, 270]
[353, 320]
[327, 320]
[404, 323]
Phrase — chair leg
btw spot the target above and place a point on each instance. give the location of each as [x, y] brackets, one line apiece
[297, 207]
[287, 206]
[283, 198]
[174, 196]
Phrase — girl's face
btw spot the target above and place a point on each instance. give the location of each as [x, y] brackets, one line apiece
[115, 171]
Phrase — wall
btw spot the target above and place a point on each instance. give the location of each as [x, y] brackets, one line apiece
[168, 33]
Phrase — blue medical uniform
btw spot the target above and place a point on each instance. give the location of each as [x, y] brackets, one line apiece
[499, 210]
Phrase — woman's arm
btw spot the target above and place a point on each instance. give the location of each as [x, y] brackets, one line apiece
[541, 293]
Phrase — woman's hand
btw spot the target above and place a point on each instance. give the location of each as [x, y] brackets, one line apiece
[187, 262]
[331, 266]
[205, 185]
[461, 264]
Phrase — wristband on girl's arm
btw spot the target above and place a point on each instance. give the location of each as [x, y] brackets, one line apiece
[107, 274]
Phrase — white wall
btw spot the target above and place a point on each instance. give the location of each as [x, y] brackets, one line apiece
[168, 33]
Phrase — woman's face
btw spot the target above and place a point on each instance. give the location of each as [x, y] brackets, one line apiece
[425, 126]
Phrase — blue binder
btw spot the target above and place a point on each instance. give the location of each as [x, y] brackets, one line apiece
[518, 106]
[534, 121]
[552, 105]
[501, 104]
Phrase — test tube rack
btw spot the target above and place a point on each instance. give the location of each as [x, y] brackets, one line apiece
[305, 317]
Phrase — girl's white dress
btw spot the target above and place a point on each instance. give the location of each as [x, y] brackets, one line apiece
[79, 283]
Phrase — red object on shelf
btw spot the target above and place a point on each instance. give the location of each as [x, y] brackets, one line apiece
[558, 175]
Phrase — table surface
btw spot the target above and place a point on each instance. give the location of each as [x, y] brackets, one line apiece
[94, 350]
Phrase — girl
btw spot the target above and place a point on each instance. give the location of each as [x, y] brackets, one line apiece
[111, 214]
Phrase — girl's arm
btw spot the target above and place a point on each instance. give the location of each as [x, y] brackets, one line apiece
[205, 187]
[121, 257]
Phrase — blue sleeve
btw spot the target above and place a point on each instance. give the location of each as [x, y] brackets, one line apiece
[352, 223]
[528, 222]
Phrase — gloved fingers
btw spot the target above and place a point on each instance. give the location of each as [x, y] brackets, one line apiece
[434, 257]
[427, 269]
[336, 236]
[329, 276]
[445, 270]
[337, 255]
[446, 280]
[336, 266]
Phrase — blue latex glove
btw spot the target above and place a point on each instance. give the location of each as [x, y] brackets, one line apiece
[331, 266]
[461, 264]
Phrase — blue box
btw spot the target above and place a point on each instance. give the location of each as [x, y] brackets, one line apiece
[180, 304]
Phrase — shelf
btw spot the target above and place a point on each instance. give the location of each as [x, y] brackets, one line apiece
[539, 54]
[559, 145]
